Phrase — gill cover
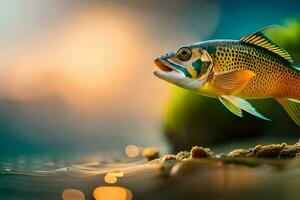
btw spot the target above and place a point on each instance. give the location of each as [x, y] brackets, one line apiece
[201, 67]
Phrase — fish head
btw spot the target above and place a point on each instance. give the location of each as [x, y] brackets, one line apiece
[188, 67]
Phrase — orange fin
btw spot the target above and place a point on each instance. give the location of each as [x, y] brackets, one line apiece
[259, 39]
[292, 107]
[233, 80]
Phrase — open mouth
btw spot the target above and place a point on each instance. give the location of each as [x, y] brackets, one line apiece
[163, 65]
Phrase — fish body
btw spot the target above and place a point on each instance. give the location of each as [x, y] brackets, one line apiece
[274, 76]
[235, 70]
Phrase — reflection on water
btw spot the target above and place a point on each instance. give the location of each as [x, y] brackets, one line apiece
[189, 179]
[72, 179]
[25, 180]
[124, 178]
[108, 162]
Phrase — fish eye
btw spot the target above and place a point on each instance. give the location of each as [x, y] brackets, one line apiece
[184, 53]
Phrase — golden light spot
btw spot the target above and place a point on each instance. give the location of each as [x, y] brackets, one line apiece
[151, 153]
[112, 193]
[73, 194]
[111, 179]
[132, 151]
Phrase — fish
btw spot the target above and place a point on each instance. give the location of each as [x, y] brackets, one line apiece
[234, 71]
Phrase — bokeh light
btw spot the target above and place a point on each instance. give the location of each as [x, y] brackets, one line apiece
[112, 193]
[112, 177]
[73, 194]
[109, 178]
[132, 151]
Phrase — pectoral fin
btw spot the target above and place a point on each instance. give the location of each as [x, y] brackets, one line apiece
[233, 80]
[230, 106]
[236, 104]
[292, 107]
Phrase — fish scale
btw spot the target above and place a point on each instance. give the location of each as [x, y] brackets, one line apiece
[272, 72]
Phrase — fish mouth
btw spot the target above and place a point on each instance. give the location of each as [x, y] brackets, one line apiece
[163, 65]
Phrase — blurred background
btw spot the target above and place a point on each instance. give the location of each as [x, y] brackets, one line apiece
[76, 75]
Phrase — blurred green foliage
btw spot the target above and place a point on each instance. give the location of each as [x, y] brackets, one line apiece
[191, 119]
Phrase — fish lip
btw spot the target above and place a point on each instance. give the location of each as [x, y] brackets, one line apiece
[163, 65]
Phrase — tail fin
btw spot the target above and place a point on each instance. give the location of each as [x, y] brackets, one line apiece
[292, 107]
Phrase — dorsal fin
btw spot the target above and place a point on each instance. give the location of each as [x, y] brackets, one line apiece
[259, 39]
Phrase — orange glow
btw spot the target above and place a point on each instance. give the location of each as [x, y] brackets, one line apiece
[93, 50]
[85, 58]
[112, 193]
[73, 194]
[132, 151]
[91, 60]
[97, 59]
